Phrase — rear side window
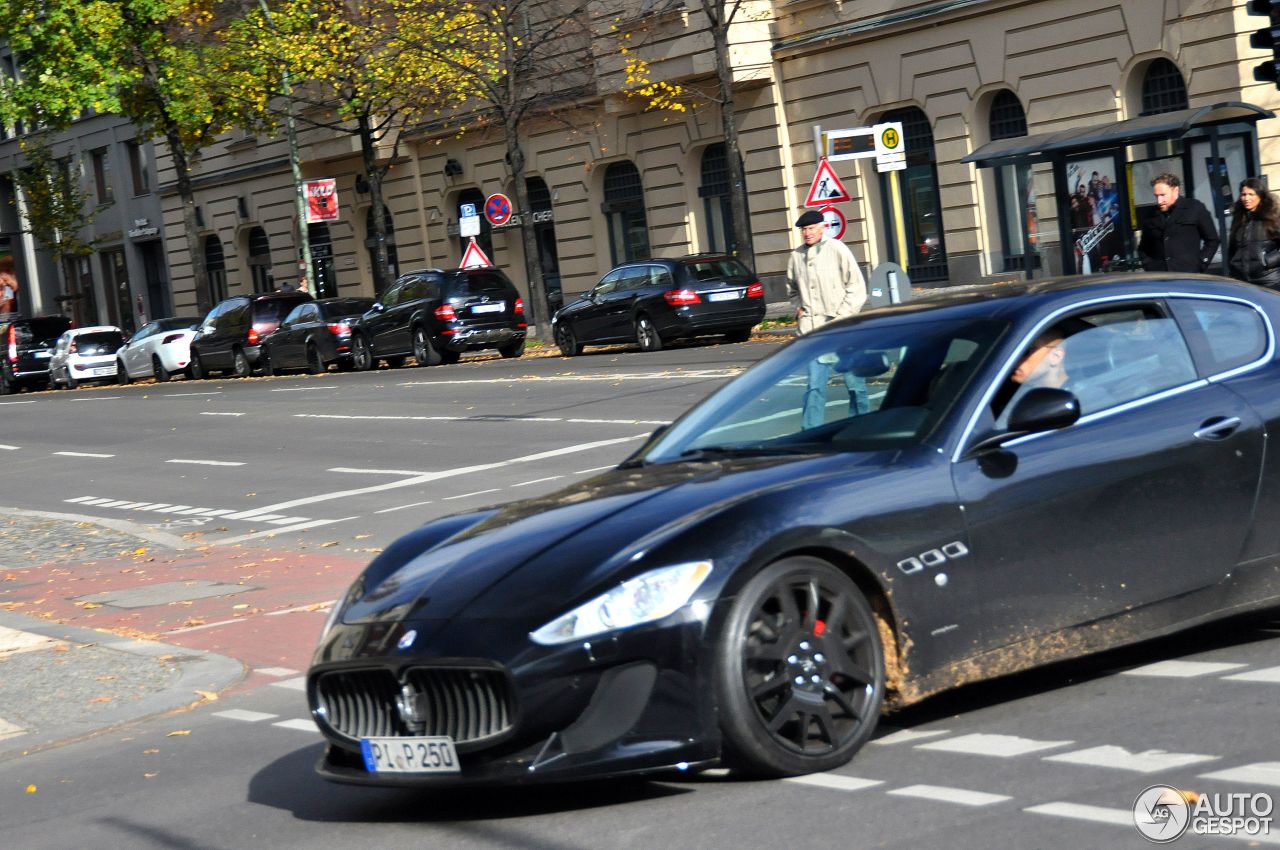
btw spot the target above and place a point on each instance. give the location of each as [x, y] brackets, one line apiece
[1223, 335]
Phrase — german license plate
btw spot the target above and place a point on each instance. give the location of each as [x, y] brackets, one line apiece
[102, 371]
[495, 307]
[410, 755]
[732, 295]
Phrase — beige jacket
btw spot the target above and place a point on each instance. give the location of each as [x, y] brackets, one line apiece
[826, 281]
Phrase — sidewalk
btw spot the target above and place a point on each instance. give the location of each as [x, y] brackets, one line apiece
[101, 626]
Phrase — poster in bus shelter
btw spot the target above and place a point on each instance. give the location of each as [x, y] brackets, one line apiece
[1095, 214]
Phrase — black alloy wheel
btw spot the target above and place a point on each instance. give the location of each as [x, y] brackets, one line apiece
[423, 351]
[160, 373]
[567, 340]
[361, 356]
[122, 374]
[240, 363]
[315, 363]
[799, 670]
[196, 368]
[647, 335]
[512, 349]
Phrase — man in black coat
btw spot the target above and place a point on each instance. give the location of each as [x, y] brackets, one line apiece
[1179, 235]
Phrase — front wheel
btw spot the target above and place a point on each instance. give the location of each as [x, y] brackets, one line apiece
[799, 670]
[240, 364]
[567, 340]
[315, 363]
[647, 335]
[361, 356]
[122, 374]
[196, 368]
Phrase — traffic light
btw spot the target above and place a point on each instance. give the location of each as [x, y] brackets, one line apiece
[1267, 38]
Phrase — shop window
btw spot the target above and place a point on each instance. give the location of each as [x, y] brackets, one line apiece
[920, 209]
[623, 208]
[371, 244]
[1163, 89]
[325, 284]
[215, 265]
[260, 261]
[1015, 188]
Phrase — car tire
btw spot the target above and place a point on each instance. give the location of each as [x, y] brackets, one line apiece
[514, 349]
[122, 374]
[771, 725]
[361, 355]
[567, 340]
[161, 374]
[738, 336]
[315, 363]
[647, 335]
[264, 362]
[71, 382]
[195, 369]
[6, 382]
[240, 363]
[423, 351]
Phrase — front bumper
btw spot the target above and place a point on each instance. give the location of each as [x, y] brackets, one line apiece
[636, 702]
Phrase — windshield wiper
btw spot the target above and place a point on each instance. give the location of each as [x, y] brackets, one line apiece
[721, 452]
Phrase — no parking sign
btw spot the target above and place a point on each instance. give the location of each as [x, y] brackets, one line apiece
[836, 222]
[497, 208]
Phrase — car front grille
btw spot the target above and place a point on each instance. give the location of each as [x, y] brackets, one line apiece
[465, 703]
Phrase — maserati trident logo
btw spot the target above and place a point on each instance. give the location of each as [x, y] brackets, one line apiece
[412, 708]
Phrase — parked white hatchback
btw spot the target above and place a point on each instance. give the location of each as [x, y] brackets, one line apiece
[160, 349]
[85, 354]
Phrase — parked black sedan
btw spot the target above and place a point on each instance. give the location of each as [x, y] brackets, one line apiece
[313, 336]
[1043, 471]
[653, 302]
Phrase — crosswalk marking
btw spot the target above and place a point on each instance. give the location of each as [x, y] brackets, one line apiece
[300, 725]
[942, 794]
[1270, 675]
[296, 684]
[1119, 758]
[243, 714]
[999, 746]
[276, 671]
[1261, 773]
[835, 781]
[1078, 811]
[1182, 669]
[187, 510]
[906, 736]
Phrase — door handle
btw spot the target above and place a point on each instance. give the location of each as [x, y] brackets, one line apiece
[1217, 428]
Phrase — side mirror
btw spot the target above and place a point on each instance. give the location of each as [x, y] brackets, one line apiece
[377, 307]
[1041, 409]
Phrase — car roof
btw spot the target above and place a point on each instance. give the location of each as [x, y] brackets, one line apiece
[94, 329]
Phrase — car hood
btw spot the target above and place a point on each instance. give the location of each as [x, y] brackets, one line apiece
[573, 540]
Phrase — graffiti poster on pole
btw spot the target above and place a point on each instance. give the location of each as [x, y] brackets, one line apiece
[322, 200]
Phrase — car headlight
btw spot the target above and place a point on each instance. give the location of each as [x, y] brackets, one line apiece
[643, 599]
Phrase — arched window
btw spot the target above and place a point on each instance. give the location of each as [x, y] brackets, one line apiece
[919, 209]
[326, 283]
[215, 265]
[1163, 89]
[371, 243]
[623, 208]
[1015, 191]
[485, 239]
[260, 261]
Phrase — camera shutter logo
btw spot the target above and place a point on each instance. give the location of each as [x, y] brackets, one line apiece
[1161, 813]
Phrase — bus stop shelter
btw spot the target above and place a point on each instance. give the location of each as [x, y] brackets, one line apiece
[1102, 175]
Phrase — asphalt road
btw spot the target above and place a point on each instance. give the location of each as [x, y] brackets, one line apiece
[334, 467]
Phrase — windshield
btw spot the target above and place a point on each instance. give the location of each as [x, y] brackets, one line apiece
[868, 387]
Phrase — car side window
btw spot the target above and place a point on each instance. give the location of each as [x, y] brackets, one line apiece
[145, 331]
[659, 276]
[1224, 335]
[608, 283]
[392, 296]
[1104, 358]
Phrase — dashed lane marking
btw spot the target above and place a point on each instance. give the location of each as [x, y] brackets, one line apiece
[217, 413]
[835, 781]
[469, 495]
[305, 389]
[403, 507]
[1181, 669]
[242, 714]
[82, 454]
[1118, 758]
[9, 448]
[541, 419]
[187, 395]
[205, 462]
[943, 794]
[7, 403]
[999, 746]
[696, 375]
[1270, 675]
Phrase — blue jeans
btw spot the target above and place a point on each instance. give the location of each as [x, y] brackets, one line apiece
[815, 395]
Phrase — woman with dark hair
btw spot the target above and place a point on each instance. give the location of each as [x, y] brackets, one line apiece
[1254, 249]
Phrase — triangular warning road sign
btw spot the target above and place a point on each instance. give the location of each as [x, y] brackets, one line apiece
[474, 256]
[826, 187]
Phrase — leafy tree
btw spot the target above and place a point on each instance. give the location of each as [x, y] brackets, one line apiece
[720, 15]
[356, 69]
[57, 210]
[154, 62]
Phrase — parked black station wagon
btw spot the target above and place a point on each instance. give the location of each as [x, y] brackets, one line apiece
[755, 585]
[652, 302]
[434, 315]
